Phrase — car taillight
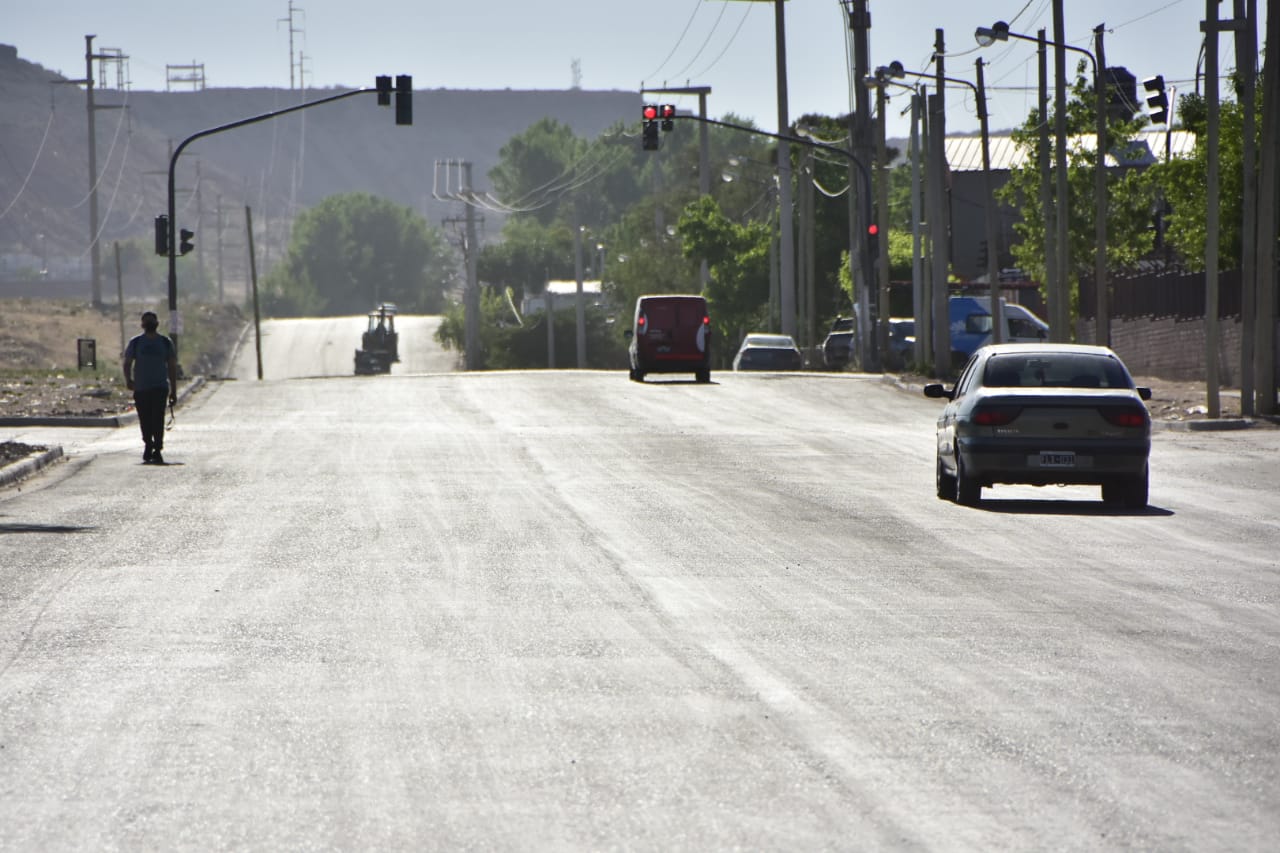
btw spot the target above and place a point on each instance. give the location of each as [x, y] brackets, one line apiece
[706, 321]
[640, 322]
[996, 415]
[1124, 416]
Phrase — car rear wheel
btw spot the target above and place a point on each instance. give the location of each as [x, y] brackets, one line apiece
[1131, 492]
[703, 375]
[968, 490]
[946, 483]
[637, 375]
[1136, 491]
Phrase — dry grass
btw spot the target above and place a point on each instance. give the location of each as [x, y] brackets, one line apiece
[39, 370]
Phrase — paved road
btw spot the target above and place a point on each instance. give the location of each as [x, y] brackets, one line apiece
[564, 610]
[326, 346]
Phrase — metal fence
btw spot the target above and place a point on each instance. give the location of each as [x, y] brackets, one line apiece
[1164, 294]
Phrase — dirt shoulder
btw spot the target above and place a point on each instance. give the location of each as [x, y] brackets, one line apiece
[39, 369]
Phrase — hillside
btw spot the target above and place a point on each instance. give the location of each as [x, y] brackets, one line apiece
[277, 167]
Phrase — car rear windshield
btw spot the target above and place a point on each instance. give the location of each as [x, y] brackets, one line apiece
[1056, 370]
[674, 313]
[773, 341]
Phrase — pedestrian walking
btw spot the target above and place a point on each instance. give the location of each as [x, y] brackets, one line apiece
[151, 373]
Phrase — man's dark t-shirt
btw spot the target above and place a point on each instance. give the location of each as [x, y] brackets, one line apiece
[150, 361]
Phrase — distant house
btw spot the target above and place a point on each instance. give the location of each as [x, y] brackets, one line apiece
[563, 294]
[968, 196]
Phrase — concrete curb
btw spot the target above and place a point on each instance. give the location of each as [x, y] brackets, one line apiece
[11, 474]
[122, 419]
[1206, 425]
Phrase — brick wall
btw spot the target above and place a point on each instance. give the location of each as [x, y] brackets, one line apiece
[1173, 349]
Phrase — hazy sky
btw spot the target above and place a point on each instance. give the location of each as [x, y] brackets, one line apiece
[729, 46]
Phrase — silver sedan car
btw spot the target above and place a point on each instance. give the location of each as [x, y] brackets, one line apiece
[1043, 414]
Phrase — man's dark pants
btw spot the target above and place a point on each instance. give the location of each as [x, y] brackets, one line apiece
[150, 405]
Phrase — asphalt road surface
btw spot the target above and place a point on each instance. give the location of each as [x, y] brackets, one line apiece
[564, 610]
[293, 349]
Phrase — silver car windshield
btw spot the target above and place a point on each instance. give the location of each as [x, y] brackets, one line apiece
[1057, 370]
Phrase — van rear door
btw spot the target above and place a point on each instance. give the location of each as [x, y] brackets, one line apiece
[676, 327]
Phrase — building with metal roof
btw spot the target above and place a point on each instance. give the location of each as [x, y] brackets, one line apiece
[967, 190]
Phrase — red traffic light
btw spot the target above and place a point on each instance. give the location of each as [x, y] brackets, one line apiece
[873, 229]
[650, 112]
[668, 110]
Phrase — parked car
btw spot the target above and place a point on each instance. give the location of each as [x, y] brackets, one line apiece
[670, 334]
[1043, 414]
[902, 342]
[837, 348]
[768, 352]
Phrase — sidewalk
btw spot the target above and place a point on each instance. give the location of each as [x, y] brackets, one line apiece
[19, 459]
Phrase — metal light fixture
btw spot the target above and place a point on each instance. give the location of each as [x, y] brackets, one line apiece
[987, 36]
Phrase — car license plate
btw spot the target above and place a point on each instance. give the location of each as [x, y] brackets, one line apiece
[1057, 460]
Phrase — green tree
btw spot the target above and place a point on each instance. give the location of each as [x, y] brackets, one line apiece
[1129, 203]
[529, 255]
[355, 250]
[738, 255]
[1182, 184]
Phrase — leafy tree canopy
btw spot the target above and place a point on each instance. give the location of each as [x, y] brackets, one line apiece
[355, 250]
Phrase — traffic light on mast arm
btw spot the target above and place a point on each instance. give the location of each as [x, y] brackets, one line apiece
[404, 95]
[404, 99]
[667, 111]
[185, 237]
[650, 116]
[162, 235]
[1157, 99]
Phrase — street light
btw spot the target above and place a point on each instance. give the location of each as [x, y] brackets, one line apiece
[895, 69]
[999, 31]
[987, 36]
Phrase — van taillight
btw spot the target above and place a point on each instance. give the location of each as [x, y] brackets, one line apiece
[640, 321]
[706, 321]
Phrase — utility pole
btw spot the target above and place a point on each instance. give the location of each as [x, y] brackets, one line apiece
[1210, 28]
[292, 30]
[786, 233]
[808, 248]
[881, 220]
[1246, 19]
[1102, 315]
[923, 347]
[992, 213]
[200, 265]
[1058, 308]
[579, 305]
[222, 296]
[860, 141]
[1043, 158]
[1268, 223]
[95, 262]
[938, 236]
[95, 255]
[473, 279]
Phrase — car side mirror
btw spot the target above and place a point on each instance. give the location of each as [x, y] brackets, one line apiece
[627, 334]
[1144, 393]
[1042, 334]
[937, 390]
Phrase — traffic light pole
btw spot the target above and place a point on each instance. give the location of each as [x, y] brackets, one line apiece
[175, 322]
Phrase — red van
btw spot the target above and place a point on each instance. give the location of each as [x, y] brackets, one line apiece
[671, 334]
